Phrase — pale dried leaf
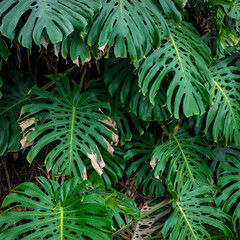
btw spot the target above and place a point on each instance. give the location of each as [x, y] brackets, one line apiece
[101, 163]
[43, 42]
[115, 138]
[98, 166]
[77, 62]
[110, 123]
[56, 52]
[27, 123]
[110, 148]
[84, 175]
[25, 143]
[153, 163]
[87, 60]
[103, 48]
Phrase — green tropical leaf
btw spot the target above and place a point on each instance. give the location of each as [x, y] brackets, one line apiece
[141, 150]
[121, 209]
[127, 25]
[193, 211]
[124, 119]
[170, 10]
[4, 51]
[224, 114]
[120, 113]
[233, 16]
[219, 10]
[114, 168]
[15, 93]
[221, 152]
[67, 211]
[74, 45]
[144, 109]
[181, 58]
[229, 182]
[74, 123]
[120, 76]
[182, 155]
[57, 17]
[1, 83]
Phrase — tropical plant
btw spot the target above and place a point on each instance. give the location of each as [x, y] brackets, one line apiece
[143, 105]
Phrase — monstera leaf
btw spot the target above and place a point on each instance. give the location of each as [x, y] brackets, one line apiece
[4, 51]
[75, 123]
[141, 150]
[74, 45]
[121, 76]
[114, 169]
[120, 113]
[225, 14]
[67, 211]
[233, 15]
[224, 114]
[143, 108]
[182, 156]
[229, 183]
[127, 25]
[193, 212]
[15, 93]
[221, 151]
[57, 17]
[181, 58]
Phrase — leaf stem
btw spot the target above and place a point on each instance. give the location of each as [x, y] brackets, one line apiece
[82, 78]
[142, 217]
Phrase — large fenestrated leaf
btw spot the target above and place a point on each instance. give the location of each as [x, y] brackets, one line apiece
[74, 46]
[224, 114]
[233, 18]
[67, 211]
[140, 150]
[225, 15]
[58, 17]
[182, 156]
[120, 113]
[121, 78]
[74, 124]
[193, 212]
[15, 94]
[129, 25]
[229, 182]
[181, 58]
[114, 168]
[221, 151]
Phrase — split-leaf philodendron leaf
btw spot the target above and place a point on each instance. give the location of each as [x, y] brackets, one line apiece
[76, 125]
[58, 17]
[15, 93]
[67, 211]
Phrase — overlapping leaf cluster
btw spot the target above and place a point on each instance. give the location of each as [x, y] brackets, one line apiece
[164, 111]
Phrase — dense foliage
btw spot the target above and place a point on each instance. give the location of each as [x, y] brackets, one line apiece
[136, 93]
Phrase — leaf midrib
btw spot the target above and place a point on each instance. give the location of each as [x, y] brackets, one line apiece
[71, 136]
[180, 61]
[185, 159]
[226, 98]
[14, 105]
[185, 217]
